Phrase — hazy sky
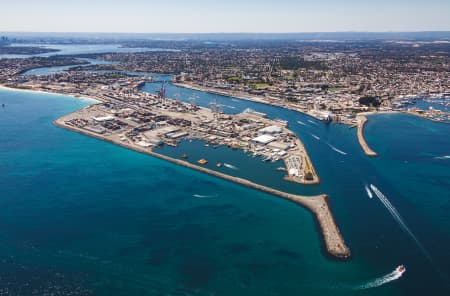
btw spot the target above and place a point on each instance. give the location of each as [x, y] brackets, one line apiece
[196, 16]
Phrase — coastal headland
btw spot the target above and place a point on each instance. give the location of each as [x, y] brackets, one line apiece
[318, 205]
[360, 132]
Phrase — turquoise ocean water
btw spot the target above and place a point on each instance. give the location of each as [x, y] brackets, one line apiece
[81, 215]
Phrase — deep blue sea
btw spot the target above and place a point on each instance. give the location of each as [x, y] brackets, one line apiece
[86, 217]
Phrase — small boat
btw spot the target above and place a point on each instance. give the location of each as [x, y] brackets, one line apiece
[184, 155]
[281, 169]
[230, 166]
[400, 269]
[202, 161]
[219, 164]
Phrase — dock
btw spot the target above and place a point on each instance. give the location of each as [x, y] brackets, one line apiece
[360, 132]
[318, 205]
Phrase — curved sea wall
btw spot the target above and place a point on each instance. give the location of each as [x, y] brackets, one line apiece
[360, 132]
[318, 205]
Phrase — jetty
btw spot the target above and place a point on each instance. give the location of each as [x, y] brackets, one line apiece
[361, 121]
[318, 205]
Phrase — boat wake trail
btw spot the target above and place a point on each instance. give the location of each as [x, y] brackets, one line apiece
[315, 123]
[402, 224]
[204, 196]
[394, 275]
[395, 214]
[369, 193]
[230, 166]
[337, 150]
[301, 122]
[315, 137]
[442, 157]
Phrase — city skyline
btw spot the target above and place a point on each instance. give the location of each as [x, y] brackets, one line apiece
[200, 16]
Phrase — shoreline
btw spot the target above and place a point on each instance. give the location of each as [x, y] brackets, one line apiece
[315, 176]
[90, 99]
[318, 205]
[423, 117]
[362, 120]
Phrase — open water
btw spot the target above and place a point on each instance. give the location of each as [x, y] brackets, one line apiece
[84, 216]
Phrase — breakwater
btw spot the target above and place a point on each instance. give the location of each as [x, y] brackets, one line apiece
[360, 132]
[318, 205]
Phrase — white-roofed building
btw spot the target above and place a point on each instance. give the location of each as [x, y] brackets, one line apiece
[103, 118]
[263, 139]
[293, 172]
[271, 130]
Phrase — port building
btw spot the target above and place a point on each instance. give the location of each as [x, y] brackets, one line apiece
[264, 139]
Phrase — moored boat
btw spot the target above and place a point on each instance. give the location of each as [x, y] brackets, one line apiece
[202, 161]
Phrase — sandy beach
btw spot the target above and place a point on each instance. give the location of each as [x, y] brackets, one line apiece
[49, 93]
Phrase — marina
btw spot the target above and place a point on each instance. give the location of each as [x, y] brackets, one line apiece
[334, 242]
[97, 121]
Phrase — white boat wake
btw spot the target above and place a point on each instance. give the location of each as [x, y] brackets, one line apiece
[230, 166]
[402, 224]
[337, 150]
[315, 123]
[301, 122]
[315, 137]
[204, 196]
[369, 193]
[394, 275]
[395, 214]
[442, 157]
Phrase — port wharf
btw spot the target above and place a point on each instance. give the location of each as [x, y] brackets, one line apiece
[318, 205]
[246, 97]
[361, 121]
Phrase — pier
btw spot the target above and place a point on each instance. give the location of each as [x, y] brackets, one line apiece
[318, 205]
[361, 119]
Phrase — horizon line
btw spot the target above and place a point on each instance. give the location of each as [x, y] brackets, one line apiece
[237, 32]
